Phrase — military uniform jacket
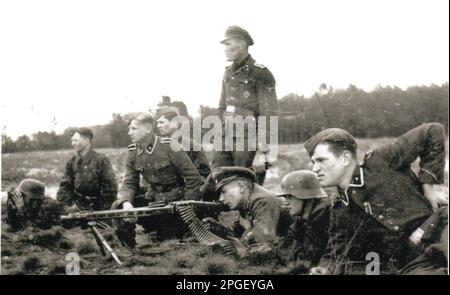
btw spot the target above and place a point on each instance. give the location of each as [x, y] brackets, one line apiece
[260, 217]
[165, 170]
[310, 231]
[249, 88]
[88, 176]
[385, 200]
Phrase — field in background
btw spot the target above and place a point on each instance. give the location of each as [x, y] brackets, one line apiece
[44, 252]
[48, 166]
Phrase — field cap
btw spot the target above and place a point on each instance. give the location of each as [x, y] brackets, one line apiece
[237, 32]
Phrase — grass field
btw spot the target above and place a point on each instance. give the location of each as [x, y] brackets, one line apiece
[44, 252]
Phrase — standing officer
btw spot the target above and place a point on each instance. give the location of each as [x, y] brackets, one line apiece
[308, 203]
[382, 204]
[248, 89]
[170, 174]
[259, 211]
[89, 182]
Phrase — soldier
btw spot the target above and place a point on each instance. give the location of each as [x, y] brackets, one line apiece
[170, 174]
[310, 206]
[89, 182]
[381, 203]
[27, 206]
[248, 89]
[166, 127]
[259, 211]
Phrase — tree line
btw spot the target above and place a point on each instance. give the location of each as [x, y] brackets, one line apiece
[383, 112]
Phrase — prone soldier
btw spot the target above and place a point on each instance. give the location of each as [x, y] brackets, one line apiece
[259, 211]
[382, 204]
[27, 206]
[89, 181]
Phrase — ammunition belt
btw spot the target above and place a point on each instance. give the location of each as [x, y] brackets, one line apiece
[202, 234]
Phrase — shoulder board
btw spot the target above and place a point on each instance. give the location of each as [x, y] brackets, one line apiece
[132, 147]
[165, 140]
[261, 66]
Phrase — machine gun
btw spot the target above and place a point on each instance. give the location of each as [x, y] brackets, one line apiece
[187, 210]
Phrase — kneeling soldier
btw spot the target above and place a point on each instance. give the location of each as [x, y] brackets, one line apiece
[89, 182]
[170, 175]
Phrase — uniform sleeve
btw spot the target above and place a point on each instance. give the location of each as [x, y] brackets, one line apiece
[186, 168]
[222, 101]
[130, 184]
[266, 94]
[267, 99]
[108, 183]
[65, 192]
[427, 142]
[265, 216]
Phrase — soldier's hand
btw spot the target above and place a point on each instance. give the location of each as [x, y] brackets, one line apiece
[259, 162]
[210, 223]
[128, 206]
[416, 236]
[435, 195]
[318, 270]
[72, 209]
[14, 198]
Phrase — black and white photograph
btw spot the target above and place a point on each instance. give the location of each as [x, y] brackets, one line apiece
[238, 138]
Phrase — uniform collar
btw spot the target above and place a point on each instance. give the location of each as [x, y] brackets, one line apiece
[238, 66]
[87, 156]
[358, 177]
[343, 196]
[148, 145]
[357, 182]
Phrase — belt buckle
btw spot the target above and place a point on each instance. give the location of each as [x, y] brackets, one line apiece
[231, 109]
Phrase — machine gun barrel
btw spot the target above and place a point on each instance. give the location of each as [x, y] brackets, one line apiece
[170, 208]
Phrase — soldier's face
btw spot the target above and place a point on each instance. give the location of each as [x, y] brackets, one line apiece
[234, 196]
[235, 49]
[139, 132]
[32, 203]
[164, 126]
[294, 205]
[79, 143]
[330, 169]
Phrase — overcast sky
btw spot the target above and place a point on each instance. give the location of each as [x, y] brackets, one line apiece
[74, 63]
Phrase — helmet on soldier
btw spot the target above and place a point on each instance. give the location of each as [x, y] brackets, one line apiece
[302, 184]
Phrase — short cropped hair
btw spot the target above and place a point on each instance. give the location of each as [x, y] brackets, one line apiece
[144, 118]
[84, 132]
[338, 147]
